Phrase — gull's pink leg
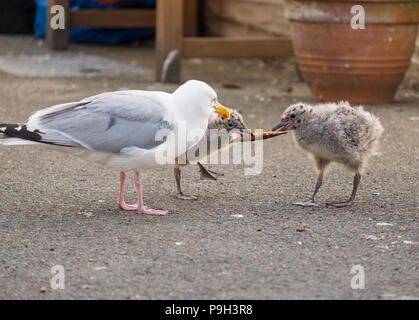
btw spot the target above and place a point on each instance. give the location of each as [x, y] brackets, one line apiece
[121, 202]
[141, 208]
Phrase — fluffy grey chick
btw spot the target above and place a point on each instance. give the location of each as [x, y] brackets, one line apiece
[333, 132]
[211, 138]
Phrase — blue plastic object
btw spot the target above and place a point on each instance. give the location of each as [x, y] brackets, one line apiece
[90, 35]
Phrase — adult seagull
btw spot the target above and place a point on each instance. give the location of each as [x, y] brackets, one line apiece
[120, 129]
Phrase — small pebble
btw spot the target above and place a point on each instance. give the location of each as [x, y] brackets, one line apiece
[303, 229]
[100, 268]
[383, 224]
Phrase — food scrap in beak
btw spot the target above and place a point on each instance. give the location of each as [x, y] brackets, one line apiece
[223, 111]
[247, 131]
[253, 136]
[268, 134]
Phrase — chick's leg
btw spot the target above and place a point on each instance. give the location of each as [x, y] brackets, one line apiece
[311, 202]
[206, 174]
[357, 180]
[180, 194]
[321, 165]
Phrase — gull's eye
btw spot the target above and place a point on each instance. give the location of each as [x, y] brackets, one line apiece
[293, 115]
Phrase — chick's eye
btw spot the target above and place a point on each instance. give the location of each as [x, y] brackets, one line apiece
[231, 123]
[293, 115]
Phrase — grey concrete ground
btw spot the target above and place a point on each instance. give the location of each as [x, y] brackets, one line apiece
[243, 238]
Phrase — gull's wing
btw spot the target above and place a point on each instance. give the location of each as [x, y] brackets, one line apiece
[108, 122]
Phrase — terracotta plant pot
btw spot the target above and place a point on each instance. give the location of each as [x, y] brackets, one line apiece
[358, 65]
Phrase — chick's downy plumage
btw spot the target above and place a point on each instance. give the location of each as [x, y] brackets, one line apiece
[333, 132]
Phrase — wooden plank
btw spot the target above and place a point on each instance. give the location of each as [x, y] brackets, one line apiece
[169, 33]
[57, 38]
[92, 18]
[237, 47]
[266, 16]
[190, 14]
[216, 27]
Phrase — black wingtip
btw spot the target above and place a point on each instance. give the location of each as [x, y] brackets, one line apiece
[4, 127]
[20, 131]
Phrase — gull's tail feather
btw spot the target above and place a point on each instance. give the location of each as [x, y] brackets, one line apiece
[20, 134]
[17, 135]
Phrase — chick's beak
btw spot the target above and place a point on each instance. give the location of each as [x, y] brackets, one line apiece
[282, 126]
[222, 111]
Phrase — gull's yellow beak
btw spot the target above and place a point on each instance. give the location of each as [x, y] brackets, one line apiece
[223, 111]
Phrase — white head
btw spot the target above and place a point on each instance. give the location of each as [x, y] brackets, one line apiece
[198, 97]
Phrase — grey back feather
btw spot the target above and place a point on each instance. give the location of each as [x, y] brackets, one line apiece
[110, 121]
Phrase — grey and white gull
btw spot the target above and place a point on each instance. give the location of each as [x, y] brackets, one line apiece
[119, 129]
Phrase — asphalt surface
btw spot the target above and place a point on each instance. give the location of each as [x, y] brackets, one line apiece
[243, 238]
